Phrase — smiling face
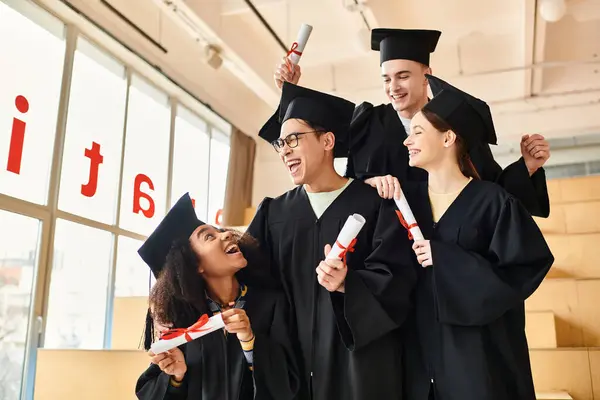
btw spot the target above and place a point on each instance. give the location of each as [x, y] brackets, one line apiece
[218, 251]
[426, 145]
[405, 84]
[313, 152]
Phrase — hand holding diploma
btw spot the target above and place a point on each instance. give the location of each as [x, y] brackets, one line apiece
[407, 219]
[347, 238]
[332, 271]
[171, 362]
[176, 337]
[289, 70]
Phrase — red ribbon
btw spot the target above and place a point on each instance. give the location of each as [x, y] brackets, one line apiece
[293, 50]
[405, 224]
[197, 327]
[346, 250]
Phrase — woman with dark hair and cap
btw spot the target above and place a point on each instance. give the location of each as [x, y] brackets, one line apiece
[347, 313]
[484, 255]
[196, 265]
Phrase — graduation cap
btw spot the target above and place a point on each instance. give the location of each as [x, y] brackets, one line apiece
[404, 44]
[468, 116]
[179, 223]
[329, 112]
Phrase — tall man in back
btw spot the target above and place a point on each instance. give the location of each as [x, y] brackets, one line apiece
[377, 155]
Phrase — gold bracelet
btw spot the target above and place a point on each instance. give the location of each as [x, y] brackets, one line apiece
[248, 345]
[173, 382]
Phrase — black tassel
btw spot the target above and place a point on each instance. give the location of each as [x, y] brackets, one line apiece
[148, 331]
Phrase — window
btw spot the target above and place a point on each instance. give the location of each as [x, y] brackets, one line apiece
[29, 99]
[94, 135]
[18, 254]
[143, 201]
[115, 146]
[133, 276]
[219, 165]
[191, 161]
[78, 287]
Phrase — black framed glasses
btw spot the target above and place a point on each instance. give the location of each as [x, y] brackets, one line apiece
[291, 140]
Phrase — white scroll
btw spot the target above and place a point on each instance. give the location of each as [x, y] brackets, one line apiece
[408, 216]
[297, 48]
[177, 337]
[349, 231]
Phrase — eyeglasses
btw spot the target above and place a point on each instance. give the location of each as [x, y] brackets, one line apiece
[291, 140]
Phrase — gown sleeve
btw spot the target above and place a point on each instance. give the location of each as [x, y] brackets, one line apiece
[474, 290]
[261, 270]
[377, 297]
[359, 128]
[153, 384]
[531, 191]
[276, 375]
[515, 179]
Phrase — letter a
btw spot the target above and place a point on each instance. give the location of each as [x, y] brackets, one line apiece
[137, 194]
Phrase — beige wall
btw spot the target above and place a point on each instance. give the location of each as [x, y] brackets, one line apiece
[88, 374]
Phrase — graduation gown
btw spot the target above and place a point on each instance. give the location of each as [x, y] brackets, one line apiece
[217, 368]
[467, 331]
[377, 149]
[348, 343]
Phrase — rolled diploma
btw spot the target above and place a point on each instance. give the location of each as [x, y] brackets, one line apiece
[302, 38]
[409, 217]
[214, 323]
[349, 231]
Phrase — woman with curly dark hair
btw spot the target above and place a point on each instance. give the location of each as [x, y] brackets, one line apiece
[195, 265]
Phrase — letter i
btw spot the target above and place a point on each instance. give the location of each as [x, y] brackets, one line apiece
[17, 137]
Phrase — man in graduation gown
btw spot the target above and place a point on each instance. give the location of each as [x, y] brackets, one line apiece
[377, 132]
[347, 313]
[483, 257]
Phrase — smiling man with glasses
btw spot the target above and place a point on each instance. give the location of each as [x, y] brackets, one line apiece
[346, 314]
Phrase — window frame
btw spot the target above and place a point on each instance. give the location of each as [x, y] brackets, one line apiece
[76, 26]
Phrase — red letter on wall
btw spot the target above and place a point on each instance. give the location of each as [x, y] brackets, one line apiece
[17, 137]
[96, 159]
[137, 193]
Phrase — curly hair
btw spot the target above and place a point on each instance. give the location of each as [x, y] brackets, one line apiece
[178, 297]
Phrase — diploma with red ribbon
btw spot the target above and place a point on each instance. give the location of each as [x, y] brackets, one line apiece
[176, 337]
[347, 238]
[297, 48]
[407, 219]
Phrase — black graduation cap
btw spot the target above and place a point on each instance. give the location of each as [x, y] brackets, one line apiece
[404, 44]
[179, 223]
[468, 116]
[329, 112]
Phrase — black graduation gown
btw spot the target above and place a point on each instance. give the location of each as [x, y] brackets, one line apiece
[377, 149]
[217, 368]
[348, 343]
[467, 331]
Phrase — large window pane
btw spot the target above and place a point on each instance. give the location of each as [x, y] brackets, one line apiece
[144, 196]
[92, 155]
[30, 79]
[191, 160]
[133, 276]
[78, 287]
[19, 237]
[219, 164]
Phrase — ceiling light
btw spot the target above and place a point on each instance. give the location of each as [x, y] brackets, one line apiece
[553, 10]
